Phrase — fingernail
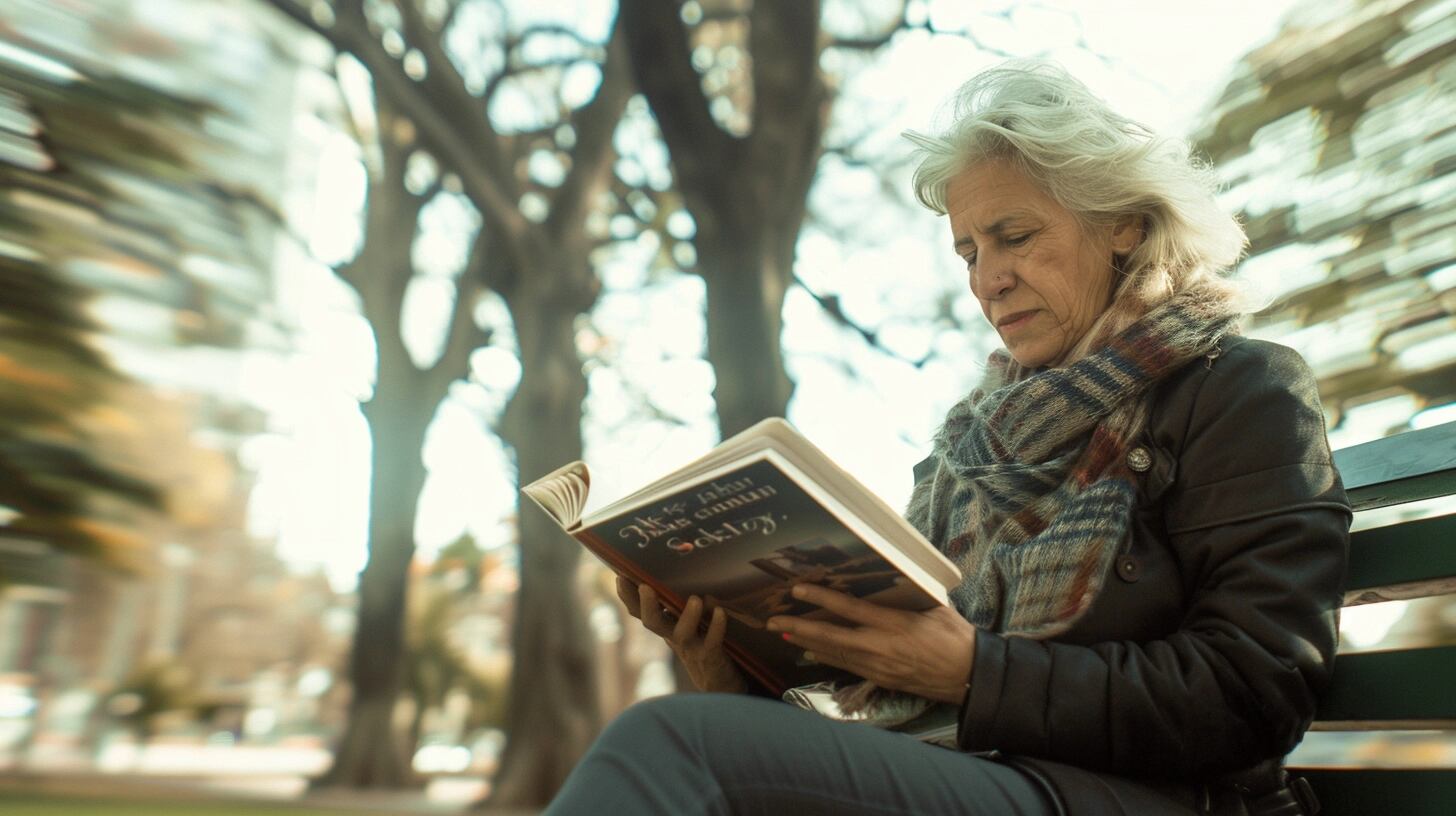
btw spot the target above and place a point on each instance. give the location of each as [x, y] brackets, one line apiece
[798, 591]
[773, 625]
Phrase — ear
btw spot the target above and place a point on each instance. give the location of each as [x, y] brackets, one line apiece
[1127, 234]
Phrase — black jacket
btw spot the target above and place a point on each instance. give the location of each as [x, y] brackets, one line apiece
[1206, 648]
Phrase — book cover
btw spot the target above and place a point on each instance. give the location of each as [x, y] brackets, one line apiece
[741, 538]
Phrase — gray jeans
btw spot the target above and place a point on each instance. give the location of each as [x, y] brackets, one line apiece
[725, 754]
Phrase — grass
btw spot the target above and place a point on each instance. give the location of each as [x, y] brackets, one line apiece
[83, 806]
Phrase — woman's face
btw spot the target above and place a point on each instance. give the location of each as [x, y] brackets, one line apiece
[1041, 279]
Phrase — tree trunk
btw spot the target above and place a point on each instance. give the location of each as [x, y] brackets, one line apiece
[416, 723]
[551, 725]
[748, 219]
[369, 756]
[746, 274]
[372, 753]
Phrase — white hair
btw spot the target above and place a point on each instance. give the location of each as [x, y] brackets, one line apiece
[1101, 166]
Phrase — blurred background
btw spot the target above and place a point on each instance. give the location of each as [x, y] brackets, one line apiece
[294, 295]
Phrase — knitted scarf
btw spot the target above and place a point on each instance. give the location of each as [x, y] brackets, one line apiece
[1031, 494]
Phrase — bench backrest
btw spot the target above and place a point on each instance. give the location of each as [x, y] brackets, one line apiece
[1405, 689]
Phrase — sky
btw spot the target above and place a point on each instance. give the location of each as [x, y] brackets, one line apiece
[1165, 62]
[1178, 54]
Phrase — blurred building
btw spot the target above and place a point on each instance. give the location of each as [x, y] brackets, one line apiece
[1337, 141]
[143, 154]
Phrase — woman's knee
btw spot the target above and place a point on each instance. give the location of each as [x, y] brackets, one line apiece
[672, 713]
[643, 720]
[692, 721]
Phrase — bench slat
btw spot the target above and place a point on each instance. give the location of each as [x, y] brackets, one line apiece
[1395, 690]
[1388, 688]
[1367, 791]
[1412, 559]
[1407, 467]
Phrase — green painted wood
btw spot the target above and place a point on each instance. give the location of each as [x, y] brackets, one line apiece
[1407, 467]
[1412, 552]
[1410, 687]
[1402, 685]
[1375, 792]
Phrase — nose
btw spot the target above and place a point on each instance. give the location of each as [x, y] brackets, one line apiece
[990, 279]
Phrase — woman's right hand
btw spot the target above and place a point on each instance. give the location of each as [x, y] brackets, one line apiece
[702, 654]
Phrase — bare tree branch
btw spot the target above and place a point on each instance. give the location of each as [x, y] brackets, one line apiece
[874, 43]
[831, 306]
[517, 39]
[462, 143]
[643, 397]
[658, 38]
[465, 337]
[504, 74]
[302, 17]
[595, 123]
[450, 14]
[445, 86]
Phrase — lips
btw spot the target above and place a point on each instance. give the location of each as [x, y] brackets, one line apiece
[1014, 317]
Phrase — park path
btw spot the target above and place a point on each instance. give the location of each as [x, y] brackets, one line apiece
[279, 795]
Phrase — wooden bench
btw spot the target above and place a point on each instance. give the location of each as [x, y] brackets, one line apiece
[1404, 689]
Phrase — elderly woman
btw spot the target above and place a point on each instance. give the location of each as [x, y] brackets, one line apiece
[1142, 503]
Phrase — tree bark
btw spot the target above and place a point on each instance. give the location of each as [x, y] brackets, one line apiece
[543, 272]
[747, 278]
[546, 278]
[373, 751]
[554, 713]
[748, 219]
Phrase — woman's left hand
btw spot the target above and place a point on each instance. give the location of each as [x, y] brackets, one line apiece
[928, 653]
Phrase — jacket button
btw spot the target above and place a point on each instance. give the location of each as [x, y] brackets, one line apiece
[1139, 459]
[1128, 569]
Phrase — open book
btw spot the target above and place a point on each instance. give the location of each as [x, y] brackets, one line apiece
[744, 523]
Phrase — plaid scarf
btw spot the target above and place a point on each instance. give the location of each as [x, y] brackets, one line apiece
[1032, 495]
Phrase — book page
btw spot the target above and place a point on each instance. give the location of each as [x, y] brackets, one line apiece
[562, 493]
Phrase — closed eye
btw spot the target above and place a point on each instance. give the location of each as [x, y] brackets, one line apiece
[1010, 241]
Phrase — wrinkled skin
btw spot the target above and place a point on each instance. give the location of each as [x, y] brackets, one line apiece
[701, 653]
[925, 653]
[1028, 255]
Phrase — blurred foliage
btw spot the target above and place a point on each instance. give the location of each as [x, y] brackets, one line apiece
[462, 557]
[112, 227]
[1334, 143]
[157, 688]
[436, 664]
[51, 375]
